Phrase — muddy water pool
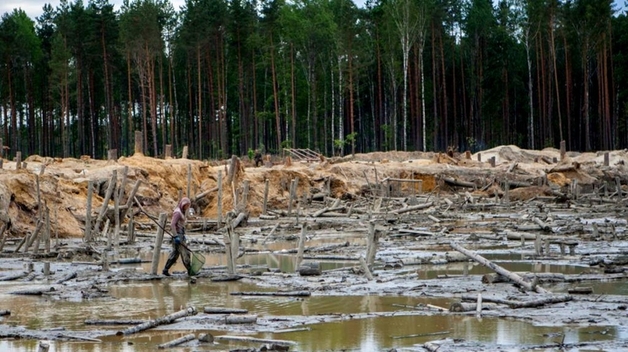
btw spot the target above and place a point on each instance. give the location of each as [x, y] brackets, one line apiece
[149, 300]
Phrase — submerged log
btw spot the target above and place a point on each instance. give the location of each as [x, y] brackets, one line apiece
[240, 319]
[522, 304]
[255, 340]
[177, 342]
[512, 276]
[168, 319]
[279, 293]
[13, 277]
[67, 277]
[223, 310]
[580, 290]
[114, 322]
[469, 307]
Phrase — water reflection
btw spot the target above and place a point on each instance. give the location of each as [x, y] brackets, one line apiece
[152, 299]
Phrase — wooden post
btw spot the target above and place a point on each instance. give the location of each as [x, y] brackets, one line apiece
[606, 159]
[371, 247]
[507, 192]
[18, 160]
[88, 215]
[219, 200]
[168, 152]
[563, 150]
[189, 179]
[131, 230]
[184, 154]
[38, 193]
[478, 308]
[467, 155]
[301, 247]
[116, 207]
[491, 161]
[105, 203]
[158, 240]
[265, 207]
[43, 346]
[1, 149]
[129, 201]
[537, 244]
[112, 154]
[293, 187]
[245, 196]
[2, 236]
[47, 237]
[46, 268]
[480, 157]
[366, 269]
[618, 188]
[1, 163]
[139, 145]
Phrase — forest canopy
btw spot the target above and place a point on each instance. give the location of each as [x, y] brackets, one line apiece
[229, 77]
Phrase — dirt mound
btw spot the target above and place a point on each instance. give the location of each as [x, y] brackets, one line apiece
[61, 185]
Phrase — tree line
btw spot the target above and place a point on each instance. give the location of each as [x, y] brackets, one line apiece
[228, 77]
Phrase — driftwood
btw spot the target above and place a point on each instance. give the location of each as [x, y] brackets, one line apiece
[114, 322]
[33, 292]
[412, 208]
[255, 340]
[177, 342]
[168, 319]
[13, 277]
[223, 310]
[580, 290]
[469, 307]
[240, 319]
[512, 276]
[279, 293]
[522, 304]
[67, 277]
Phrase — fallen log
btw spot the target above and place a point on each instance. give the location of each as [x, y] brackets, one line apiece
[540, 302]
[279, 293]
[580, 290]
[255, 340]
[177, 342]
[223, 310]
[412, 208]
[512, 276]
[240, 319]
[114, 322]
[541, 277]
[13, 277]
[459, 183]
[33, 292]
[168, 319]
[469, 307]
[67, 277]
[521, 304]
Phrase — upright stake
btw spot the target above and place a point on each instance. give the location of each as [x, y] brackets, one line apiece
[88, 215]
[301, 247]
[189, 179]
[219, 205]
[158, 240]
[265, 208]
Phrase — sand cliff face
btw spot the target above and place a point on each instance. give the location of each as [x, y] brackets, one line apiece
[61, 185]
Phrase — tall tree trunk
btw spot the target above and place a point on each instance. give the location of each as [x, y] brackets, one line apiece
[275, 93]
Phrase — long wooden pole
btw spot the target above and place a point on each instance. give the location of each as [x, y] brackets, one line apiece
[167, 319]
[158, 240]
[498, 269]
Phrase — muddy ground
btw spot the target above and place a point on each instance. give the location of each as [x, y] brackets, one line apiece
[569, 210]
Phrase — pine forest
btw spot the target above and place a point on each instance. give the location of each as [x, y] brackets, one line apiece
[229, 77]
